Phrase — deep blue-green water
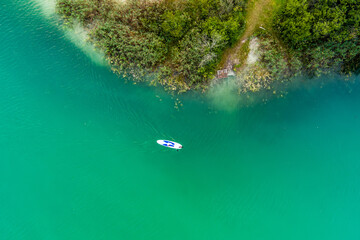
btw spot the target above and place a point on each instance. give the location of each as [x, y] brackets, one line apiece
[79, 159]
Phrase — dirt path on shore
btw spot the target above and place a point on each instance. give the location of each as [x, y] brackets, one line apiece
[257, 15]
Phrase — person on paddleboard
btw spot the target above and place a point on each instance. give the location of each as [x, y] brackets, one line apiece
[169, 144]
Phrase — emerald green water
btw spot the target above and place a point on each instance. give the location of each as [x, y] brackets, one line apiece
[79, 159]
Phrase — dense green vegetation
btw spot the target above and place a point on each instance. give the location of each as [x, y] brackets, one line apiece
[322, 34]
[181, 41]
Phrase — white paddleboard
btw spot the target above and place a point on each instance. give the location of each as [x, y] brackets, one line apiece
[169, 144]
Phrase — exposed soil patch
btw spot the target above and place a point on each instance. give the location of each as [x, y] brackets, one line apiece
[257, 15]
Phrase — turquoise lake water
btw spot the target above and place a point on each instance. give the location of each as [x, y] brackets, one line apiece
[79, 159]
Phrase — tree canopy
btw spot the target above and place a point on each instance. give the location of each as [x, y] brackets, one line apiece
[304, 22]
[324, 33]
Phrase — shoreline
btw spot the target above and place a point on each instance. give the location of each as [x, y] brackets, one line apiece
[259, 60]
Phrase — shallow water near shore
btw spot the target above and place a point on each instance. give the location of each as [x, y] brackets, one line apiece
[79, 159]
